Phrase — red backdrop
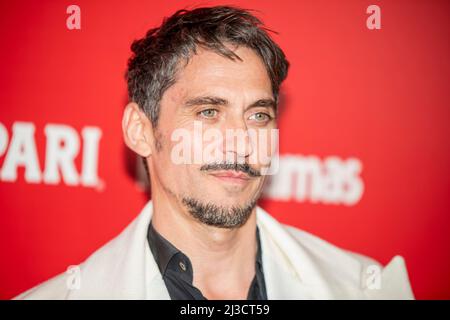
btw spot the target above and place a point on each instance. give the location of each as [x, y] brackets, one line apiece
[378, 97]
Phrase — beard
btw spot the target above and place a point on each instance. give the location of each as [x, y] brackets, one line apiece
[219, 216]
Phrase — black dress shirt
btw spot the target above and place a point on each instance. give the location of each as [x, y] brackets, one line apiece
[177, 273]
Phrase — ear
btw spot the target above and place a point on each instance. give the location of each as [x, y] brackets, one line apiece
[137, 130]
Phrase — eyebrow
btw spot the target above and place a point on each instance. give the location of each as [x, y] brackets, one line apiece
[212, 100]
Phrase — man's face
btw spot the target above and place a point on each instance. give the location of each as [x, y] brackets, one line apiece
[215, 102]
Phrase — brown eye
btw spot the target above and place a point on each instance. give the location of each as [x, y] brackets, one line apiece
[208, 113]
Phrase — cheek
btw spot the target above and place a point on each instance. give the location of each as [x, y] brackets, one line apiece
[265, 147]
[170, 169]
[162, 157]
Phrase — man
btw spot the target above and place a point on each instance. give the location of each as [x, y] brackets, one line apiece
[212, 77]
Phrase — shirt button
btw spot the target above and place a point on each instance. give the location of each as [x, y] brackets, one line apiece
[182, 266]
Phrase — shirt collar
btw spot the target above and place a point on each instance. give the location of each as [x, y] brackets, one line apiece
[163, 251]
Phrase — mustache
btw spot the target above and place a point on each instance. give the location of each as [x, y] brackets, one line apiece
[243, 167]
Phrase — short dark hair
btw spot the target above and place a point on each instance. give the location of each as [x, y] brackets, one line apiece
[152, 67]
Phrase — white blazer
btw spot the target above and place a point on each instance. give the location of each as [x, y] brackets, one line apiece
[297, 265]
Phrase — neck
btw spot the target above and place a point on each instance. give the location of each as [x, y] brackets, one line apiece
[223, 260]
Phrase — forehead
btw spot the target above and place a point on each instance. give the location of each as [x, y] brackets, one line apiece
[210, 73]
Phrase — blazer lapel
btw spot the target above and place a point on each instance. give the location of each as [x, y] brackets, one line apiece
[288, 270]
[124, 268]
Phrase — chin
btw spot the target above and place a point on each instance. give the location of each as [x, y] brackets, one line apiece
[231, 202]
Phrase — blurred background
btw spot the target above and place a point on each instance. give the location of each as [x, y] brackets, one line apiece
[364, 130]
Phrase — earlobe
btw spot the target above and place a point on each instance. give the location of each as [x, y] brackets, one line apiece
[135, 127]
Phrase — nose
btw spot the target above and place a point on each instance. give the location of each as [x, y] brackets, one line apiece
[237, 144]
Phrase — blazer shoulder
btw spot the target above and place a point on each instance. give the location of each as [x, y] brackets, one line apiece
[346, 268]
[55, 288]
[326, 250]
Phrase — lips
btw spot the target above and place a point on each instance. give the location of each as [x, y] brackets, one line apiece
[231, 176]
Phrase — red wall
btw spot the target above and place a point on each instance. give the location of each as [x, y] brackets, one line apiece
[378, 96]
